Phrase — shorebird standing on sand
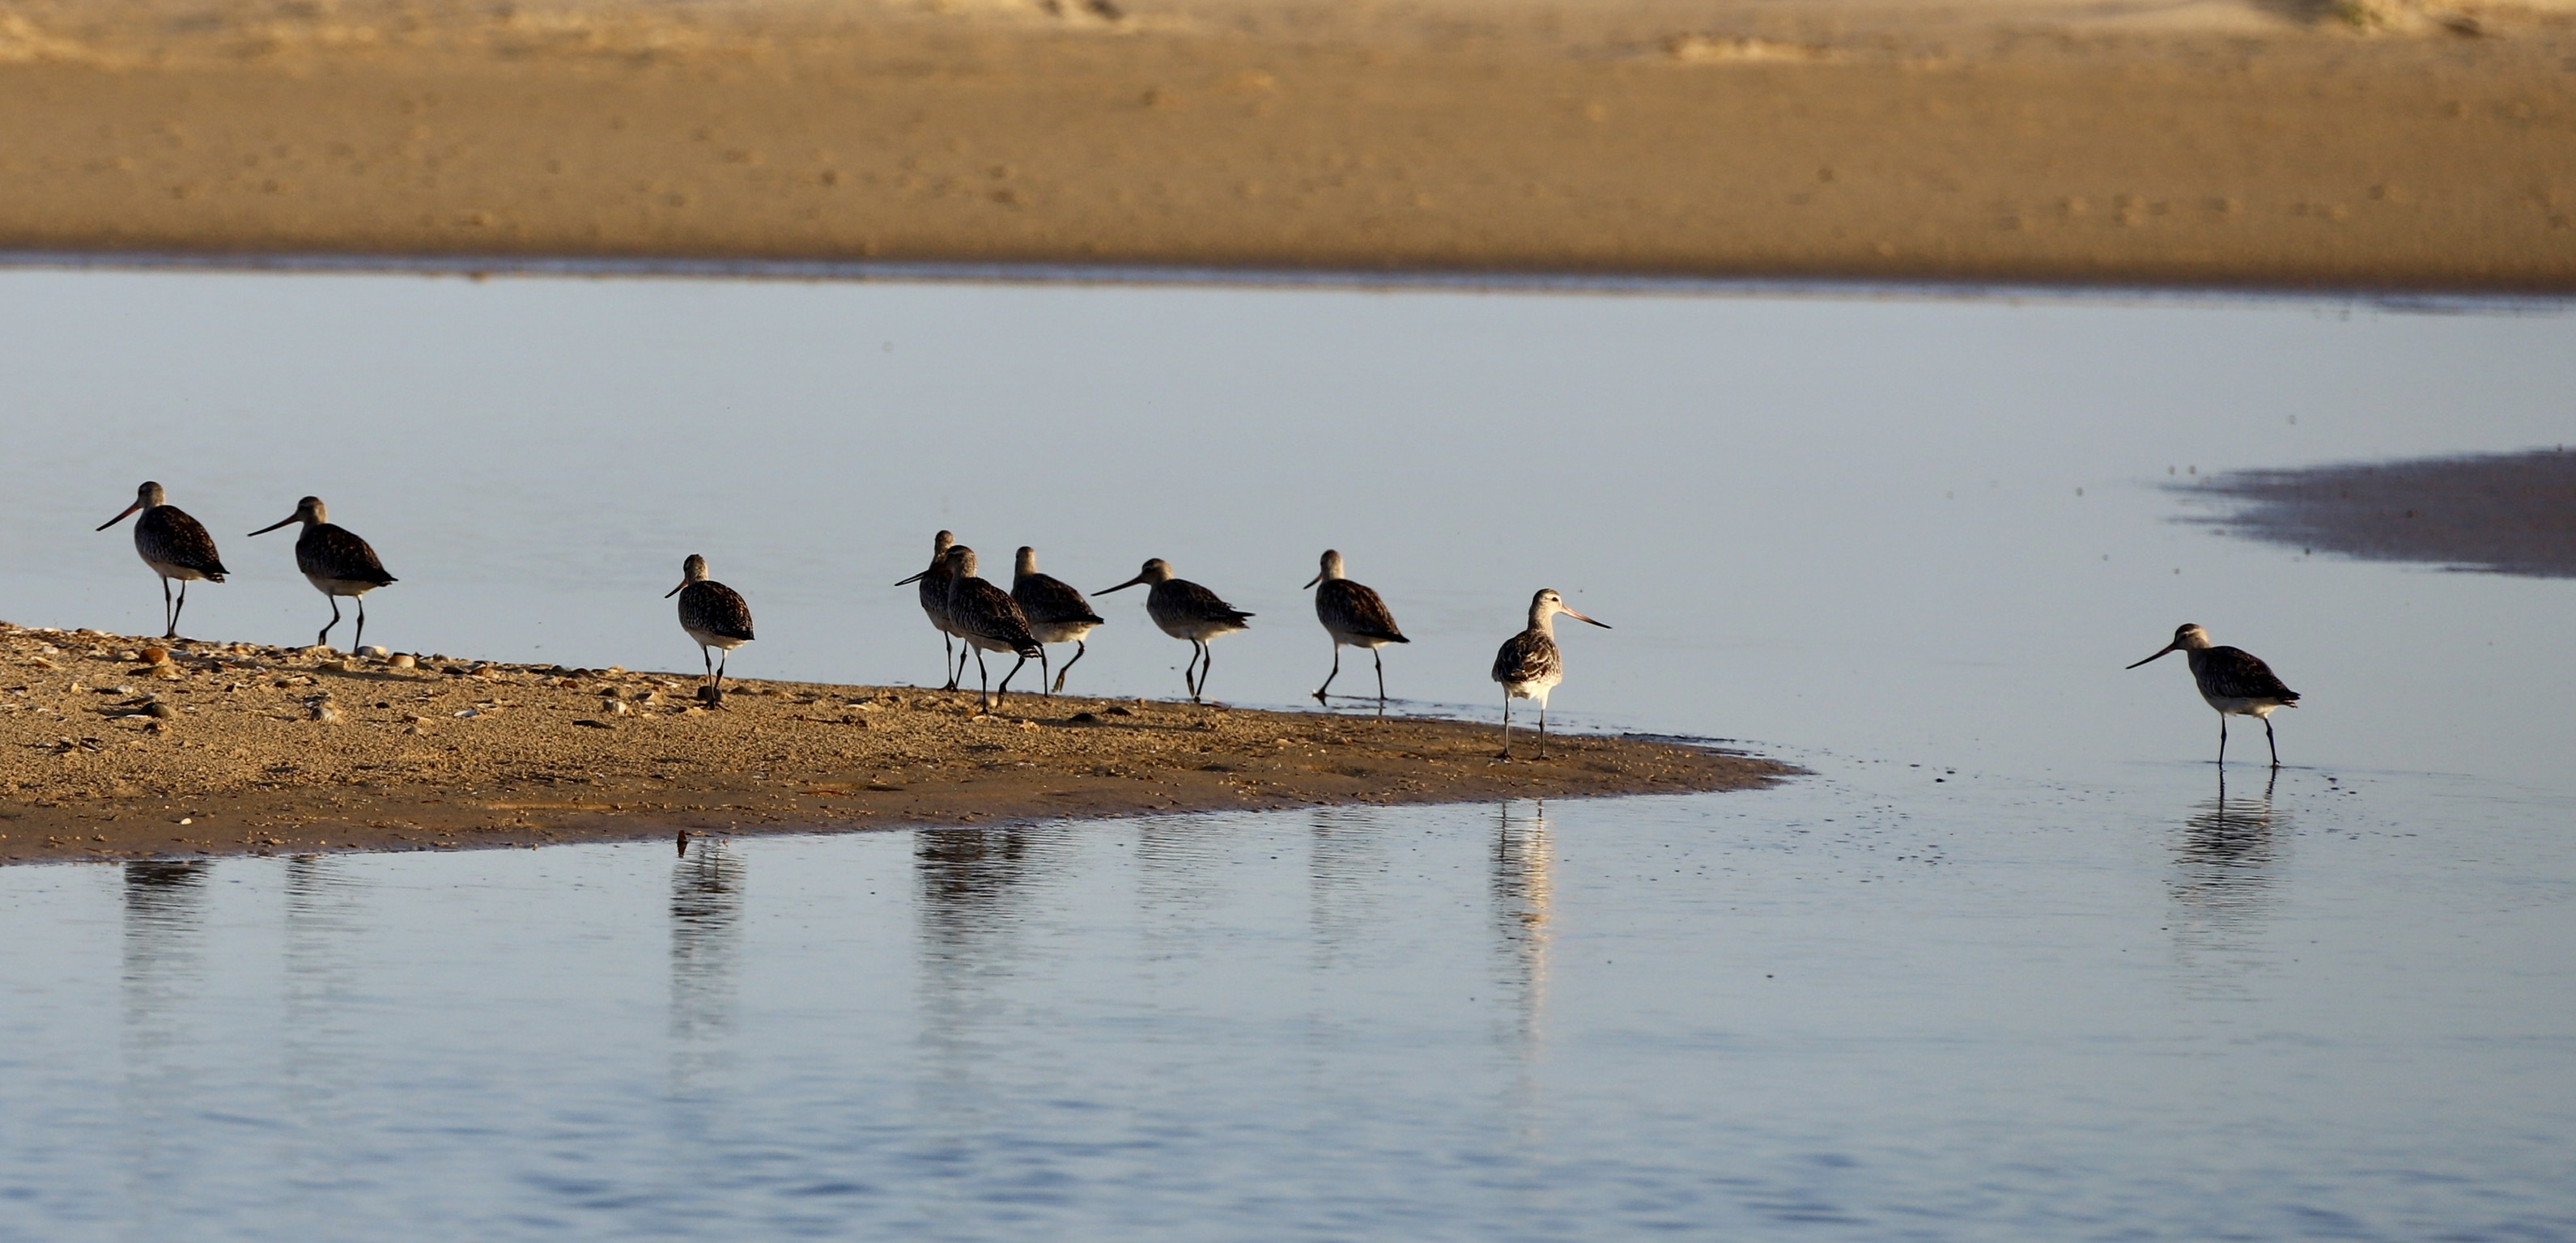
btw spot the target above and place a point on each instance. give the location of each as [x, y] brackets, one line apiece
[1528, 665]
[714, 615]
[335, 561]
[1185, 610]
[2233, 681]
[174, 545]
[988, 620]
[934, 604]
[1354, 616]
[1056, 613]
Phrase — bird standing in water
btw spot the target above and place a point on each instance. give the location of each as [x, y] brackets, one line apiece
[989, 621]
[934, 604]
[1356, 617]
[1056, 613]
[335, 561]
[2233, 681]
[1529, 666]
[715, 615]
[1185, 610]
[174, 545]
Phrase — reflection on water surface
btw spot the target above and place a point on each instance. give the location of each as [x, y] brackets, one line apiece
[2014, 963]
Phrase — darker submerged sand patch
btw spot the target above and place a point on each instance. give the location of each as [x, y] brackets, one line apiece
[2509, 513]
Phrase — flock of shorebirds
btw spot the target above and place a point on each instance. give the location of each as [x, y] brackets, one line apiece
[975, 616]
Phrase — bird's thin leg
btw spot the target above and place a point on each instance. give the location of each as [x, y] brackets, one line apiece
[2222, 740]
[1190, 672]
[1381, 679]
[1044, 686]
[983, 680]
[1078, 648]
[1542, 729]
[1328, 678]
[1015, 670]
[708, 655]
[358, 641]
[1507, 725]
[2267, 737]
[324, 639]
[1206, 663]
[950, 662]
[720, 668]
[169, 615]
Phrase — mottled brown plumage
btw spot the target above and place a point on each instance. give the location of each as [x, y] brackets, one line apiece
[713, 614]
[1185, 610]
[2233, 682]
[174, 545]
[933, 593]
[1528, 665]
[1057, 613]
[988, 620]
[335, 561]
[1354, 615]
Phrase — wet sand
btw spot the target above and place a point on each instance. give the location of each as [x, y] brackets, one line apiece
[234, 749]
[2502, 513]
[2367, 143]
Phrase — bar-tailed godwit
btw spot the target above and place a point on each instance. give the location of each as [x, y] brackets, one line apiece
[1529, 666]
[1356, 617]
[934, 604]
[335, 561]
[1185, 610]
[715, 615]
[988, 620]
[2233, 681]
[1056, 613]
[174, 545]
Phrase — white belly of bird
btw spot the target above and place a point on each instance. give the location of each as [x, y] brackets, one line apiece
[987, 643]
[2228, 706]
[1061, 632]
[339, 586]
[1532, 690]
[1200, 629]
[712, 639]
[167, 570]
[1347, 639]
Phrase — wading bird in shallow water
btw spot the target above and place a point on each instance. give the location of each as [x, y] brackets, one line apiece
[2232, 681]
[174, 545]
[1185, 610]
[988, 620]
[1056, 612]
[934, 604]
[336, 562]
[1355, 617]
[714, 615]
[1528, 665]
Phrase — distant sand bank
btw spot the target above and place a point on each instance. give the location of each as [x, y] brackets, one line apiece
[235, 749]
[2364, 144]
[2507, 513]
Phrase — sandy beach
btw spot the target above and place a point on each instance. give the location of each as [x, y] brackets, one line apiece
[213, 749]
[2368, 144]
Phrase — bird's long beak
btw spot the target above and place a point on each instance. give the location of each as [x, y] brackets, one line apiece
[274, 525]
[120, 517]
[1120, 587]
[684, 582]
[914, 579]
[1580, 617]
[2159, 652]
[1319, 577]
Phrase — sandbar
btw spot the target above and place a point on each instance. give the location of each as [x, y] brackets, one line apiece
[115, 747]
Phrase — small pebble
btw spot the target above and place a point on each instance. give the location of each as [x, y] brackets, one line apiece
[373, 651]
[159, 711]
[326, 712]
[405, 661]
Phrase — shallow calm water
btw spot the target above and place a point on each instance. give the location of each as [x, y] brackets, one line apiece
[2012, 963]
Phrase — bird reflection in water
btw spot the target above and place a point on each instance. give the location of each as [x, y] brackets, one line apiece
[1523, 894]
[163, 966]
[2226, 874]
[322, 1045]
[969, 882]
[706, 938]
